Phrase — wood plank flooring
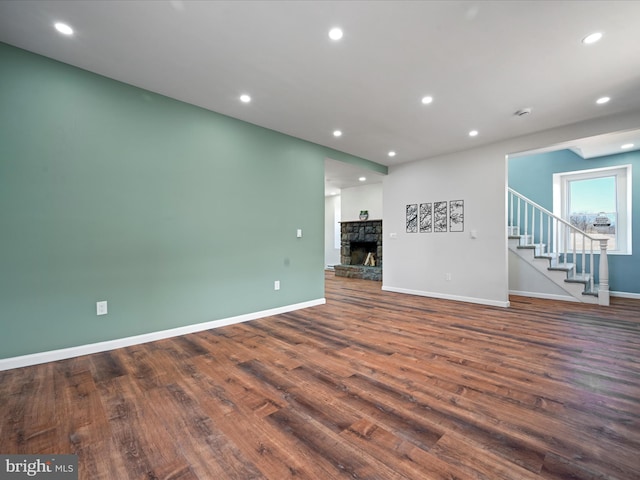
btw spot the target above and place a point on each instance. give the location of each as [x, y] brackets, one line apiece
[372, 385]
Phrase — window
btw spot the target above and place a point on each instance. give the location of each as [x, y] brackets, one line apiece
[598, 202]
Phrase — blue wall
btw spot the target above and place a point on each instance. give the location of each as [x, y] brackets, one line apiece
[532, 176]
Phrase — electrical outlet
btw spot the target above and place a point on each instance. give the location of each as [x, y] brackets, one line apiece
[276, 285]
[447, 277]
[101, 308]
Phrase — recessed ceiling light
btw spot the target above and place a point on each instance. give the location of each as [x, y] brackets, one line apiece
[337, 133]
[178, 5]
[335, 33]
[473, 133]
[627, 146]
[392, 153]
[363, 179]
[592, 38]
[244, 98]
[63, 28]
[427, 100]
[602, 100]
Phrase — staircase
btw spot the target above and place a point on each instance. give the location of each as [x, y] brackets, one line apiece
[559, 251]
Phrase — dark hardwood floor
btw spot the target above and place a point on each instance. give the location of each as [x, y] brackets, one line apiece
[371, 385]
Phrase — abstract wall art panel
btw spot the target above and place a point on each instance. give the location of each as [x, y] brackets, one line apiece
[456, 216]
[412, 218]
[440, 216]
[426, 218]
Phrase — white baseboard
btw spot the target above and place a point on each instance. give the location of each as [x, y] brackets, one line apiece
[567, 298]
[444, 296]
[546, 296]
[635, 296]
[61, 354]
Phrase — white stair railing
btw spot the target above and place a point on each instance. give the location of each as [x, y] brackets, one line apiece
[565, 243]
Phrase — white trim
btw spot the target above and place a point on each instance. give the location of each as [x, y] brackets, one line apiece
[624, 188]
[444, 296]
[61, 354]
[625, 295]
[549, 296]
[546, 296]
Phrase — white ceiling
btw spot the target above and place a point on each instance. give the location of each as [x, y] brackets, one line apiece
[339, 175]
[480, 60]
[608, 144]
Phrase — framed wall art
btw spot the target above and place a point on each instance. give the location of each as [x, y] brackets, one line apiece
[412, 218]
[426, 218]
[456, 216]
[440, 216]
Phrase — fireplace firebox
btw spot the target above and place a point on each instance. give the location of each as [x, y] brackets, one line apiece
[360, 252]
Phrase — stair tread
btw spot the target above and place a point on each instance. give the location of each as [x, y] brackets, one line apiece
[580, 277]
[583, 278]
[565, 267]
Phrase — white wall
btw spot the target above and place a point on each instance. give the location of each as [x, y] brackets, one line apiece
[331, 230]
[418, 262]
[365, 197]
[527, 280]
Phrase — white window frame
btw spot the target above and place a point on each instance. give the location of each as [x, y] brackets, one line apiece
[623, 176]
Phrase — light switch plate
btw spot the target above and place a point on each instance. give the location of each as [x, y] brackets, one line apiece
[101, 308]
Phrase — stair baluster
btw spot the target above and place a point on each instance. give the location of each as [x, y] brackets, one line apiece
[591, 266]
[541, 234]
[526, 222]
[549, 223]
[533, 226]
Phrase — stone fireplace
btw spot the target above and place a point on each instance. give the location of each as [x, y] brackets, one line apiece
[357, 240]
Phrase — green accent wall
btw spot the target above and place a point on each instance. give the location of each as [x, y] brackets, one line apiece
[173, 214]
